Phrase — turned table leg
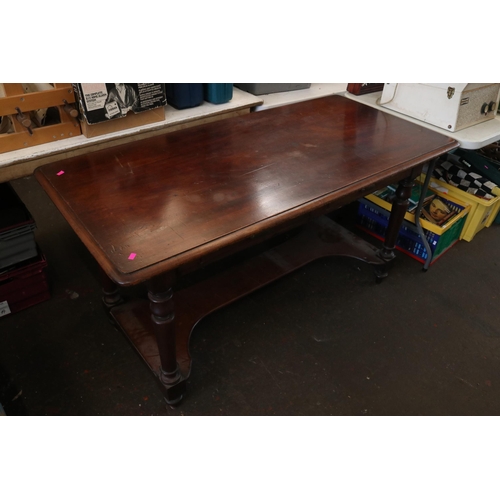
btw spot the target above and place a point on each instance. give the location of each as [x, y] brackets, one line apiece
[161, 304]
[110, 292]
[399, 208]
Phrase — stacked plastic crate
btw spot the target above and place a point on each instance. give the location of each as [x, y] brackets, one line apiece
[374, 212]
[23, 273]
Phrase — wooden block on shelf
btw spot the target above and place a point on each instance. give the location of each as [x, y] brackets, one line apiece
[23, 126]
[22, 139]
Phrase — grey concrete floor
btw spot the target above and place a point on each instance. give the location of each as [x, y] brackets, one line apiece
[325, 340]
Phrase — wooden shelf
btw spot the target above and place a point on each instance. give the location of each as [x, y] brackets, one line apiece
[20, 163]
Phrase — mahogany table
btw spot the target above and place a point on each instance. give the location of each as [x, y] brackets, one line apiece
[158, 209]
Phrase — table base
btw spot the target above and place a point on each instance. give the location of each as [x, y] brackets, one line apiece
[319, 238]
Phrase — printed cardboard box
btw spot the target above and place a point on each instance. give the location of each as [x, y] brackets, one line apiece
[110, 107]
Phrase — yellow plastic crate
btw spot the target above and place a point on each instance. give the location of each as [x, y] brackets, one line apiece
[439, 230]
[374, 219]
[482, 212]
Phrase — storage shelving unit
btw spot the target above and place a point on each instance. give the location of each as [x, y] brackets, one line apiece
[17, 164]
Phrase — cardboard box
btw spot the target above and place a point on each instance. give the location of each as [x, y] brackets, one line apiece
[110, 107]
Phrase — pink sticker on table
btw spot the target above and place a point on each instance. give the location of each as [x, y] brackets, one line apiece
[132, 256]
[60, 173]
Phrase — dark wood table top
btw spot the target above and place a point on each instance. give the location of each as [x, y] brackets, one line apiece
[152, 205]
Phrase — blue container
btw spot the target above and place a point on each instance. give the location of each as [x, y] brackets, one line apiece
[184, 95]
[217, 93]
[374, 220]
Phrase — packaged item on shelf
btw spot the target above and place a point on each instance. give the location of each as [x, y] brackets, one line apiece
[110, 107]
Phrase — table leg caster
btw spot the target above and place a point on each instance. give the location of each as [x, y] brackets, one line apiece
[380, 272]
[173, 387]
[174, 403]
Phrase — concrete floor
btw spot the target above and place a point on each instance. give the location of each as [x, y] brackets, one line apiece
[325, 340]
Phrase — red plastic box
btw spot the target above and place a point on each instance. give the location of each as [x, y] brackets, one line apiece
[24, 285]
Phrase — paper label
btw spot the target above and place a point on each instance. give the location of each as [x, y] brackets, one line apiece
[112, 109]
[4, 308]
[95, 95]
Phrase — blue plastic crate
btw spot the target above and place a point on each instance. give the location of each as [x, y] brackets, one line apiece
[374, 220]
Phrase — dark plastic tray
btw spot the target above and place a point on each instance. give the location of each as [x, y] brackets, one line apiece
[271, 88]
[13, 211]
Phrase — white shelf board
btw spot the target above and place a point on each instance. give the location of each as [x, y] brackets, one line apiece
[474, 137]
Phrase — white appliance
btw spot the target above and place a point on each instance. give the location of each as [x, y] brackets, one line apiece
[452, 106]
